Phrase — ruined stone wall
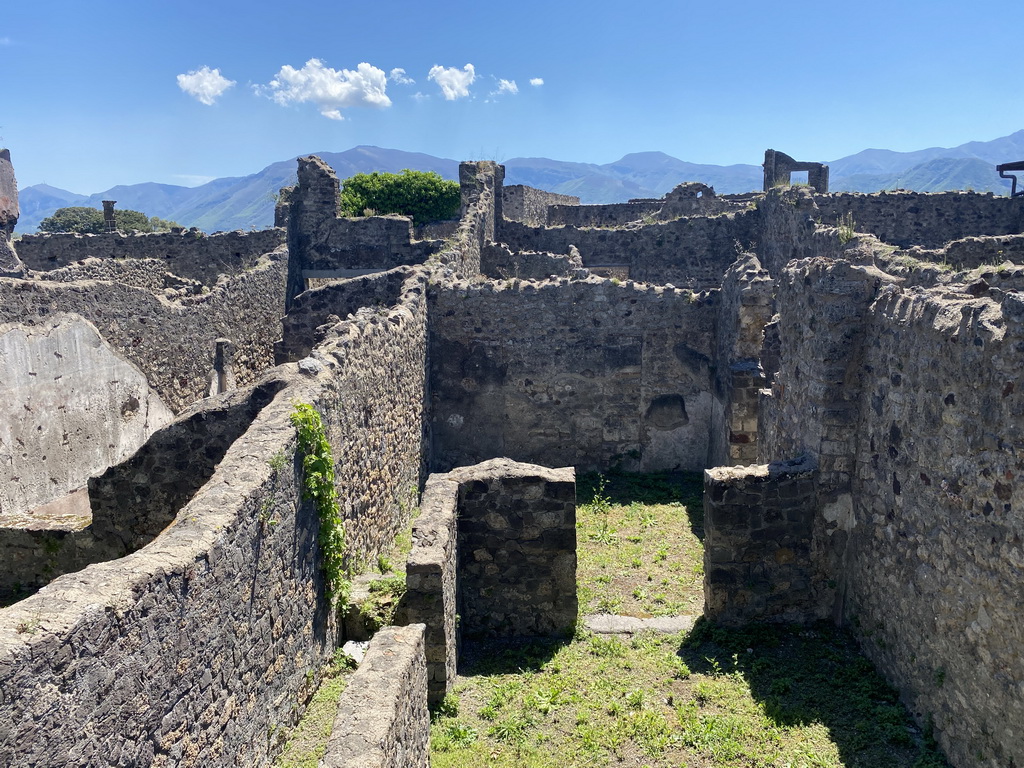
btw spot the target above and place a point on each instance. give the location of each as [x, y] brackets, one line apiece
[909, 399]
[758, 526]
[498, 261]
[973, 252]
[10, 264]
[688, 252]
[462, 574]
[928, 220]
[70, 406]
[194, 651]
[530, 206]
[172, 342]
[189, 652]
[150, 274]
[937, 542]
[190, 254]
[308, 321]
[588, 373]
[516, 550]
[607, 215]
[382, 719]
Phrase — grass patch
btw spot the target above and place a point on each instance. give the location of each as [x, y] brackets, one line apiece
[638, 544]
[307, 741]
[759, 697]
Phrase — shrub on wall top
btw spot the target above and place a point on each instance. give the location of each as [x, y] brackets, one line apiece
[423, 195]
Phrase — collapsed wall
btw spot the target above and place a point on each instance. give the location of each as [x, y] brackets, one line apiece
[189, 253]
[591, 373]
[171, 341]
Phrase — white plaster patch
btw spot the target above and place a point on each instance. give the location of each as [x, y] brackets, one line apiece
[840, 512]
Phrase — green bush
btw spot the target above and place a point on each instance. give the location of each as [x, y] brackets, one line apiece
[89, 221]
[423, 195]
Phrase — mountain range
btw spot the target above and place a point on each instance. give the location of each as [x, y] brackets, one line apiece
[248, 201]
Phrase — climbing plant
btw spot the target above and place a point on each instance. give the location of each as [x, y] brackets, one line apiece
[318, 486]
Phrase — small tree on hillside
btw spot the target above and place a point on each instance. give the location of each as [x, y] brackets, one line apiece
[89, 221]
[423, 195]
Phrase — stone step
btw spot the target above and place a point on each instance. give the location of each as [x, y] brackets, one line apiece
[607, 624]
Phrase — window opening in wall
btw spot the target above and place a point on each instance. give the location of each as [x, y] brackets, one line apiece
[799, 179]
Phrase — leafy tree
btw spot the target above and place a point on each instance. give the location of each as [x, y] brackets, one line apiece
[89, 221]
[423, 195]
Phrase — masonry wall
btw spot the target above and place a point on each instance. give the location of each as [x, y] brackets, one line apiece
[382, 719]
[908, 397]
[190, 651]
[530, 205]
[586, 373]
[310, 317]
[190, 254]
[688, 252]
[150, 274]
[758, 526]
[171, 342]
[928, 220]
[497, 260]
[517, 550]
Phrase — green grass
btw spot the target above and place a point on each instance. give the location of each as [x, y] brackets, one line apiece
[638, 546]
[759, 697]
[307, 741]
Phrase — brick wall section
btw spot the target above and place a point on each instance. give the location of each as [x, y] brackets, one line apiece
[530, 206]
[589, 373]
[190, 254]
[516, 550]
[928, 220]
[758, 523]
[688, 252]
[382, 719]
[307, 323]
[430, 579]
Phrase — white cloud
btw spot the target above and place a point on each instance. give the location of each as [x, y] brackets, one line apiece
[420, 96]
[330, 89]
[204, 84]
[536, 82]
[454, 82]
[398, 75]
[506, 86]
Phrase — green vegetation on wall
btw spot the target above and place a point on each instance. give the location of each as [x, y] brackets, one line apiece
[89, 221]
[318, 486]
[423, 195]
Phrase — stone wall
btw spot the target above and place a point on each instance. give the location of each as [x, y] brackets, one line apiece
[382, 719]
[190, 254]
[190, 651]
[758, 526]
[498, 261]
[171, 342]
[688, 252]
[530, 206]
[928, 220]
[315, 311]
[195, 650]
[10, 264]
[908, 397]
[150, 274]
[589, 373]
[516, 550]
[686, 199]
[70, 406]
[322, 244]
[494, 554]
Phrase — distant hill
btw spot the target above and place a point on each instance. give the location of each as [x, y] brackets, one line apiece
[248, 201]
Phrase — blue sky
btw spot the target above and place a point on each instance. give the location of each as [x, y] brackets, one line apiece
[91, 94]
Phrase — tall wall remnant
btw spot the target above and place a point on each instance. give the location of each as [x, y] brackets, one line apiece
[779, 168]
[10, 265]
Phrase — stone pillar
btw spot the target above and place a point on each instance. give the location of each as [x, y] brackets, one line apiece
[109, 222]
